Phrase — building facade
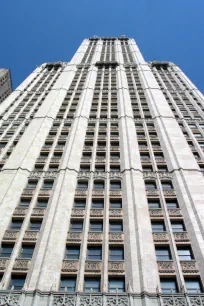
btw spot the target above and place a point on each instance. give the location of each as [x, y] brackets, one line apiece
[102, 188]
[5, 84]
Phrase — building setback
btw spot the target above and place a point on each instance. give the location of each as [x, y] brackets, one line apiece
[5, 84]
[101, 183]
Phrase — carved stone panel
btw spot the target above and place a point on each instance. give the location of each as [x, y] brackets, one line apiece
[21, 264]
[90, 300]
[189, 267]
[78, 212]
[9, 299]
[181, 237]
[95, 237]
[116, 237]
[75, 237]
[116, 266]
[70, 266]
[10, 235]
[38, 212]
[118, 300]
[156, 213]
[93, 266]
[64, 300]
[115, 213]
[166, 266]
[31, 235]
[3, 263]
[96, 213]
[20, 211]
[160, 237]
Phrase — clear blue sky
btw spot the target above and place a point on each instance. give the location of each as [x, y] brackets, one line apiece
[37, 31]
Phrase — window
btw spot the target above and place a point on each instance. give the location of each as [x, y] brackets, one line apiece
[114, 155]
[158, 227]
[27, 251]
[6, 250]
[184, 253]
[84, 168]
[116, 253]
[69, 283]
[193, 285]
[153, 203]
[147, 168]
[150, 185]
[177, 226]
[163, 253]
[35, 225]
[116, 203]
[99, 185]
[32, 184]
[94, 253]
[83, 185]
[162, 168]
[115, 168]
[115, 185]
[96, 226]
[92, 284]
[167, 186]
[47, 184]
[17, 282]
[116, 284]
[97, 203]
[24, 202]
[171, 203]
[168, 285]
[145, 156]
[16, 225]
[116, 226]
[41, 203]
[100, 168]
[76, 226]
[72, 252]
[79, 203]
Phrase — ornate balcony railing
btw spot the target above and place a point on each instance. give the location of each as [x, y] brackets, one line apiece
[115, 213]
[93, 266]
[31, 235]
[116, 237]
[161, 237]
[166, 266]
[21, 264]
[3, 263]
[189, 267]
[74, 236]
[156, 212]
[181, 237]
[95, 237]
[96, 213]
[116, 266]
[70, 266]
[11, 235]
[78, 212]
[20, 211]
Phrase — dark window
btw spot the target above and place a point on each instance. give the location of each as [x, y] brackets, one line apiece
[193, 285]
[76, 226]
[17, 282]
[115, 185]
[69, 283]
[153, 203]
[150, 186]
[27, 251]
[177, 226]
[96, 226]
[115, 203]
[6, 250]
[32, 184]
[171, 203]
[116, 253]
[162, 168]
[79, 203]
[115, 168]
[167, 186]
[24, 202]
[99, 185]
[168, 285]
[97, 203]
[92, 284]
[41, 203]
[184, 253]
[163, 253]
[116, 284]
[82, 185]
[158, 227]
[116, 226]
[35, 225]
[47, 184]
[72, 252]
[100, 168]
[16, 225]
[94, 253]
[84, 168]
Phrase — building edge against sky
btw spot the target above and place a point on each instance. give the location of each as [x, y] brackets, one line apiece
[101, 182]
[5, 84]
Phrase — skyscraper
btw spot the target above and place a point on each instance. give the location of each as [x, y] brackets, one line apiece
[102, 191]
[5, 84]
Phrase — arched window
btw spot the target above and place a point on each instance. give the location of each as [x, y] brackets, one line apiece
[99, 185]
